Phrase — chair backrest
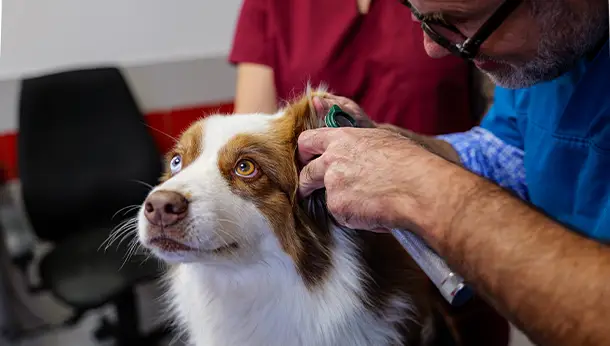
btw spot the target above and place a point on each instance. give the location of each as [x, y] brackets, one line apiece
[83, 148]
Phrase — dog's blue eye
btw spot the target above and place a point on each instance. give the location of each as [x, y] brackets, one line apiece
[175, 164]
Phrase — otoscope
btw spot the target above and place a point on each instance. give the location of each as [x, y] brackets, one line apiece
[449, 283]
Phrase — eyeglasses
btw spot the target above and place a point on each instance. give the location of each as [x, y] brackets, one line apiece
[449, 37]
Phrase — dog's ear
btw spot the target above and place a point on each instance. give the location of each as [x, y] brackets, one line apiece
[302, 112]
[313, 211]
[310, 211]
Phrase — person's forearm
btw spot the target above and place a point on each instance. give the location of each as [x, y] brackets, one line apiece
[549, 281]
[255, 89]
[437, 146]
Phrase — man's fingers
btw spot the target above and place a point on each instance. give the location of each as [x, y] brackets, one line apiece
[312, 177]
[312, 143]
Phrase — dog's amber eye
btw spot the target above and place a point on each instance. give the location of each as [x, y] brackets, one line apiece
[245, 168]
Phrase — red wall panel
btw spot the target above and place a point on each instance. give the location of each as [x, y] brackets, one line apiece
[163, 126]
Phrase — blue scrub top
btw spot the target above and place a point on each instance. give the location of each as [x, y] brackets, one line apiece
[563, 126]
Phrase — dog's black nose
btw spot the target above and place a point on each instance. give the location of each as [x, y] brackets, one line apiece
[165, 208]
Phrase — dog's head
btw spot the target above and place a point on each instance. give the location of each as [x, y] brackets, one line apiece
[229, 195]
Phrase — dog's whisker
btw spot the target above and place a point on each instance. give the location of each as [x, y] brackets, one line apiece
[111, 238]
[143, 183]
[131, 233]
[127, 208]
[229, 221]
[133, 246]
[161, 132]
[118, 233]
[123, 228]
[221, 230]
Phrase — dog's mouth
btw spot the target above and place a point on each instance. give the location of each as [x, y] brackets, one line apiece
[167, 244]
[170, 245]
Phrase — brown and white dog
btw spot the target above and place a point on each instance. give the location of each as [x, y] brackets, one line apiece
[252, 265]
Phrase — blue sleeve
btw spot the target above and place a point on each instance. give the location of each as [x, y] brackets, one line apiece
[503, 118]
[494, 149]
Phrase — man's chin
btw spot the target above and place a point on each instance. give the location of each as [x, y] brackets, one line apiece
[537, 71]
[509, 77]
[501, 74]
[487, 65]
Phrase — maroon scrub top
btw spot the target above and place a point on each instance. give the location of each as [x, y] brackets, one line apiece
[376, 59]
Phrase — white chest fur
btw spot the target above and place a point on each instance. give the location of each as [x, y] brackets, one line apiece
[268, 304]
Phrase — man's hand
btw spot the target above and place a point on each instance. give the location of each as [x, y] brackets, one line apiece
[377, 178]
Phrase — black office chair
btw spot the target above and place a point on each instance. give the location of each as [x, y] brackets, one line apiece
[84, 152]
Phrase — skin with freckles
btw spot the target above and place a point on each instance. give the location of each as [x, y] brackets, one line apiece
[539, 41]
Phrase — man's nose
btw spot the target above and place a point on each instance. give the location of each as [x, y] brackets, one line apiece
[165, 208]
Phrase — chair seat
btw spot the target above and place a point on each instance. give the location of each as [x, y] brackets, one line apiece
[81, 273]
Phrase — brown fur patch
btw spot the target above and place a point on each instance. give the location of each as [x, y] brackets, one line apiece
[189, 147]
[274, 190]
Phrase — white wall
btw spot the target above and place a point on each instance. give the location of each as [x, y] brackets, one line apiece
[157, 86]
[38, 35]
[173, 52]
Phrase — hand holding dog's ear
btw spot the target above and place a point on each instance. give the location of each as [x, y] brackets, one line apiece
[376, 179]
[323, 104]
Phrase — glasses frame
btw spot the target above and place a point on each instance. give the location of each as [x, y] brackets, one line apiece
[468, 49]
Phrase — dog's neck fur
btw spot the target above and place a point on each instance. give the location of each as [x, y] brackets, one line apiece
[269, 304]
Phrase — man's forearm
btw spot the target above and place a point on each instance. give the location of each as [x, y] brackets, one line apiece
[436, 146]
[479, 151]
[549, 281]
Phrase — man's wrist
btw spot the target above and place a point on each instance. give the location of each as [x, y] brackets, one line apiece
[436, 146]
[462, 190]
[445, 203]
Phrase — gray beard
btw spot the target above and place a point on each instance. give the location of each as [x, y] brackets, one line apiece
[558, 50]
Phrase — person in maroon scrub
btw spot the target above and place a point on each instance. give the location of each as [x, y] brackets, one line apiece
[367, 50]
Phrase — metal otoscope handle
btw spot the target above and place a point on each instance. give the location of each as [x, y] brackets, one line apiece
[450, 284]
